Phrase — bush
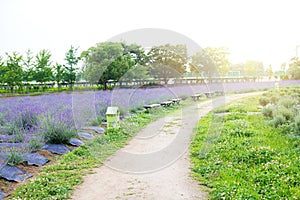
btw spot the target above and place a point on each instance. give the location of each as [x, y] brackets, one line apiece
[287, 102]
[56, 132]
[264, 101]
[297, 124]
[288, 114]
[278, 120]
[26, 120]
[267, 111]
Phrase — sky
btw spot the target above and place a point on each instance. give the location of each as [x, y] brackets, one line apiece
[262, 30]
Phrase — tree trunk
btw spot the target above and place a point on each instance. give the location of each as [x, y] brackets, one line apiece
[105, 85]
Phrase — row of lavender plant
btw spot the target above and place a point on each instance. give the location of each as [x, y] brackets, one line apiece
[55, 117]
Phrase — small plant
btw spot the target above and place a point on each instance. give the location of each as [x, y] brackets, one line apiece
[287, 102]
[36, 143]
[56, 132]
[26, 120]
[264, 101]
[288, 114]
[14, 157]
[297, 124]
[278, 120]
[267, 111]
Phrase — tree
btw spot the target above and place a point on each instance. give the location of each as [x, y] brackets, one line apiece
[70, 68]
[219, 56]
[1, 70]
[294, 68]
[254, 68]
[201, 63]
[28, 68]
[12, 71]
[211, 60]
[270, 71]
[167, 61]
[59, 74]
[237, 69]
[110, 61]
[42, 70]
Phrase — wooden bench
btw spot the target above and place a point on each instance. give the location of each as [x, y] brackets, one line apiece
[176, 100]
[219, 93]
[151, 106]
[196, 96]
[166, 103]
[209, 94]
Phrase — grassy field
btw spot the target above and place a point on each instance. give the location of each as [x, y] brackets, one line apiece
[239, 153]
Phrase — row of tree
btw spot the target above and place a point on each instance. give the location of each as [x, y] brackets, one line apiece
[17, 70]
[117, 61]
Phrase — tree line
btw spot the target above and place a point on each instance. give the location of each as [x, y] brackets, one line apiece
[118, 61]
[16, 70]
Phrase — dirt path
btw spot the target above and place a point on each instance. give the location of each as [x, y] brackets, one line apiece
[155, 164]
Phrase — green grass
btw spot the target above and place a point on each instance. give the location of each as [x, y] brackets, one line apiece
[57, 181]
[241, 156]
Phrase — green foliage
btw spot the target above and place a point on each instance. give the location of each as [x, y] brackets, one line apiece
[263, 101]
[267, 111]
[56, 132]
[11, 71]
[70, 68]
[59, 73]
[112, 61]
[14, 157]
[254, 68]
[297, 124]
[284, 106]
[167, 61]
[249, 159]
[42, 70]
[294, 68]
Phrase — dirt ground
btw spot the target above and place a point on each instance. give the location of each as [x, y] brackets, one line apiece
[155, 164]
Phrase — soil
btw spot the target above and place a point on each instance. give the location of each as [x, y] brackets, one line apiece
[8, 187]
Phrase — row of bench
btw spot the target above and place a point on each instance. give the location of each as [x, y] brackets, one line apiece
[165, 103]
[208, 94]
[177, 100]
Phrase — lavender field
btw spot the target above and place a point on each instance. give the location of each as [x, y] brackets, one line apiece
[26, 122]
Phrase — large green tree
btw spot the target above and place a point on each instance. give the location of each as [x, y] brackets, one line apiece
[254, 68]
[294, 68]
[28, 66]
[202, 64]
[43, 71]
[58, 74]
[70, 68]
[11, 70]
[167, 61]
[1, 69]
[211, 61]
[110, 61]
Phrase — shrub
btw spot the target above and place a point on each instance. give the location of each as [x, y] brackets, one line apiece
[297, 124]
[278, 120]
[267, 111]
[287, 102]
[14, 158]
[274, 98]
[264, 101]
[26, 120]
[36, 143]
[288, 114]
[55, 131]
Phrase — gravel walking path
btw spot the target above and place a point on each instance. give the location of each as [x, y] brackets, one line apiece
[155, 164]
